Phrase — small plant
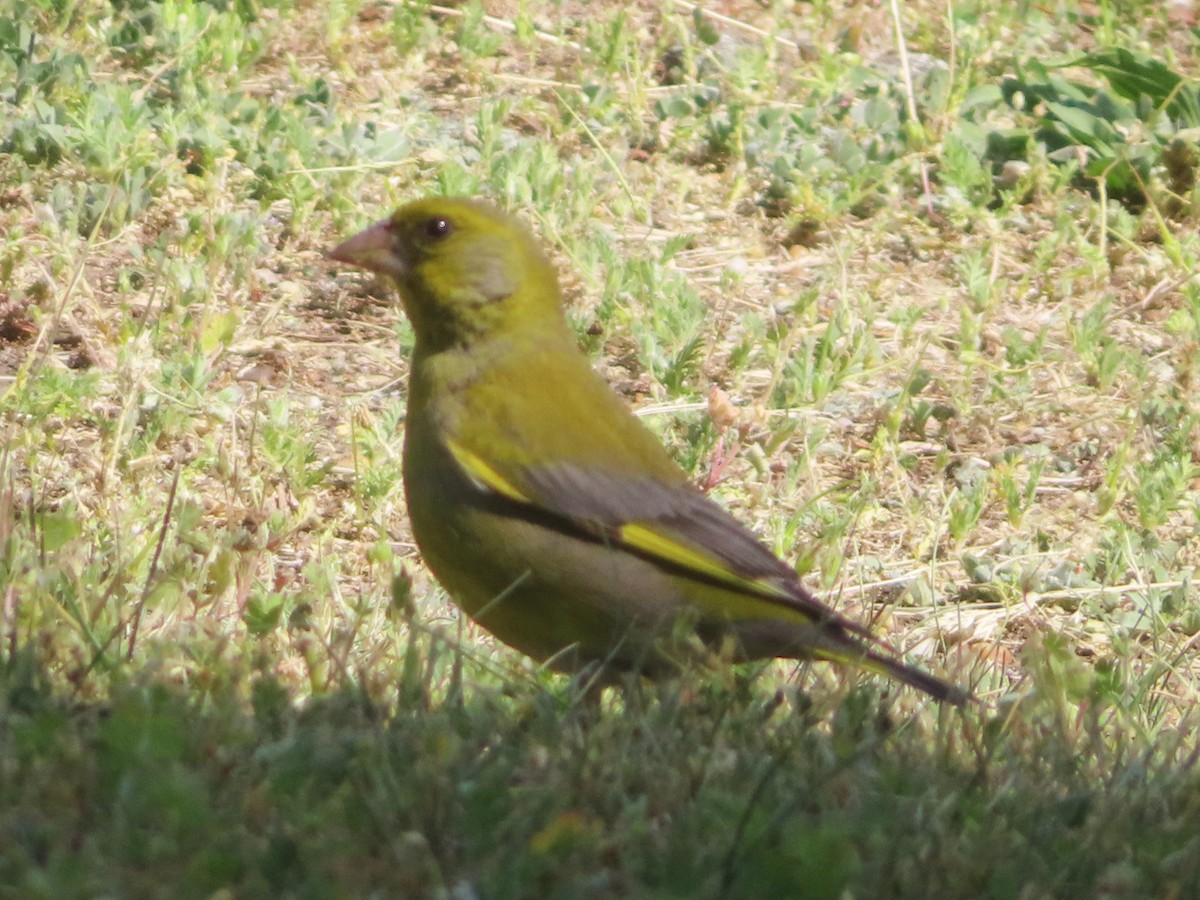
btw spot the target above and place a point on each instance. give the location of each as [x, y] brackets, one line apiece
[1121, 136]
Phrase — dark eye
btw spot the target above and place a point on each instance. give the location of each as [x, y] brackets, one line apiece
[438, 227]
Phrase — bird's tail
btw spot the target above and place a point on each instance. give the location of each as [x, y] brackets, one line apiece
[840, 647]
[944, 691]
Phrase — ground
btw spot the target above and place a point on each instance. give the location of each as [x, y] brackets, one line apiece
[938, 362]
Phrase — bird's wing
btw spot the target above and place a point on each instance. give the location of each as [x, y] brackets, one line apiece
[679, 529]
[671, 524]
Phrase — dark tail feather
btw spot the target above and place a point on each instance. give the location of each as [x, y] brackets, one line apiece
[847, 649]
[852, 646]
[935, 687]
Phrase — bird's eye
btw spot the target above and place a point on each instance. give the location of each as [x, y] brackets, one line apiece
[438, 227]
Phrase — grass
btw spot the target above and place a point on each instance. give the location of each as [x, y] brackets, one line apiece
[943, 365]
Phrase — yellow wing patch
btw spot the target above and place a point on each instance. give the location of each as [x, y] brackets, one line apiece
[659, 545]
[484, 475]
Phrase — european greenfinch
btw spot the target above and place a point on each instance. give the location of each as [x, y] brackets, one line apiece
[552, 516]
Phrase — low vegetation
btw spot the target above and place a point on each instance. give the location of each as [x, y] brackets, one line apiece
[910, 288]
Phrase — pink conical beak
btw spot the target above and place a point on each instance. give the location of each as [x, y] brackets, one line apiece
[373, 249]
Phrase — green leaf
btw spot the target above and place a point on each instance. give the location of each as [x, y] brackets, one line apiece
[1130, 75]
[58, 529]
[1086, 128]
[263, 613]
[705, 30]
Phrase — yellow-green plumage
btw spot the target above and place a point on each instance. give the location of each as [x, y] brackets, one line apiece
[551, 515]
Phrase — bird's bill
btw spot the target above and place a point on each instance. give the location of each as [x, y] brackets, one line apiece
[373, 249]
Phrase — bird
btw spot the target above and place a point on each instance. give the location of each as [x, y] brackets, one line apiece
[550, 514]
